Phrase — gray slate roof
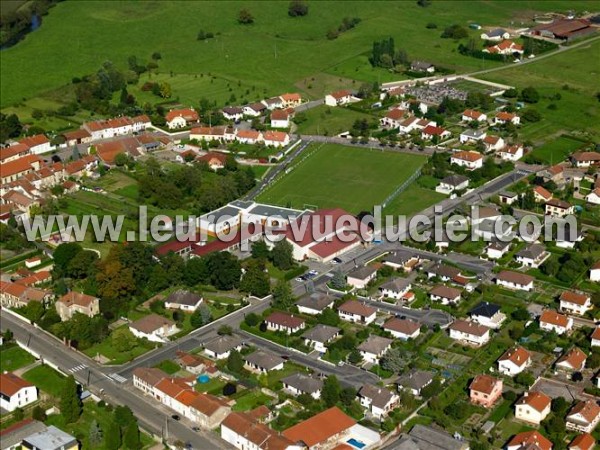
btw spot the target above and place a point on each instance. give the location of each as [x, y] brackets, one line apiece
[532, 251]
[428, 438]
[265, 360]
[415, 379]
[182, 297]
[303, 383]
[396, 284]
[379, 396]
[399, 257]
[316, 301]
[362, 273]
[223, 344]
[321, 333]
[455, 180]
[375, 344]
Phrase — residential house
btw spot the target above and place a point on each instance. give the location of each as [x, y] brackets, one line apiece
[595, 272]
[497, 34]
[493, 143]
[263, 362]
[299, 383]
[506, 47]
[245, 432]
[533, 407]
[14, 295]
[374, 348]
[541, 194]
[584, 416]
[575, 303]
[472, 136]
[572, 361]
[314, 303]
[431, 132]
[423, 437]
[214, 160]
[583, 441]
[488, 315]
[422, 66]
[37, 144]
[452, 183]
[280, 118]
[468, 159]
[550, 320]
[443, 272]
[181, 118]
[221, 346]
[361, 276]
[515, 280]
[593, 197]
[485, 390]
[77, 137]
[470, 115]
[529, 440]
[402, 328]
[415, 381]
[444, 294]
[145, 378]
[514, 361]
[330, 429]
[234, 113]
[596, 337]
[469, 332]
[250, 137]
[76, 302]
[338, 98]
[533, 256]
[254, 109]
[401, 259]
[153, 327]
[559, 208]
[15, 392]
[291, 100]
[13, 170]
[564, 29]
[31, 434]
[511, 152]
[319, 336]
[497, 249]
[183, 300]
[195, 364]
[276, 138]
[396, 288]
[273, 103]
[13, 152]
[287, 323]
[379, 401]
[355, 311]
[504, 117]
[585, 159]
[393, 118]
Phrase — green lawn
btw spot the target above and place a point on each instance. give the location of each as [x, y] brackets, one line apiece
[250, 400]
[271, 56]
[260, 171]
[330, 121]
[46, 379]
[13, 357]
[168, 367]
[108, 350]
[557, 150]
[214, 386]
[412, 200]
[332, 175]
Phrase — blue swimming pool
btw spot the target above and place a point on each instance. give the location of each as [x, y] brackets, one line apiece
[203, 379]
[354, 443]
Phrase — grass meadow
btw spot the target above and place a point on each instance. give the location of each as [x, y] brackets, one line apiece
[332, 175]
[275, 54]
[327, 120]
[557, 150]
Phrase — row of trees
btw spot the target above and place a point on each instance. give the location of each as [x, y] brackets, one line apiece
[384, 54]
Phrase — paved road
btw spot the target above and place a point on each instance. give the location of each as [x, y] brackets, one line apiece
[348, 375]
[430, 317]
[150, 414]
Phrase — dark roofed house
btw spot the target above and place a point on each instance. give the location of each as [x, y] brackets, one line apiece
[422, 66]
[221, 346]
[379, 400]
[515, 280]
[443, 271]
[396, 288]
[361, 276]
[401, 259]
[263, 362]
[153, 327]
[533, 255]
[355, 311]
[320, 335]
[183, 300]
[423, 437]
[288, 323]
[299, 383]
[314, 303]
[415, 380]
[487, 314]
[374, 348]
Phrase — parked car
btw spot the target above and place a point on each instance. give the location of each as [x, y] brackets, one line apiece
[336, 260]
[175, 417]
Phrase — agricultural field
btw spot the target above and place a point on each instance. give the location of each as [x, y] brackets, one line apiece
[412, 200]
[557, 149]
[333, 175]
[270, 56]
[329, 121]
[569, 81]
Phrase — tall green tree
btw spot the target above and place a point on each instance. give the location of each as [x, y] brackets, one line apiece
[256, 281]
[112, 435]
[70, 403]
[283, 297]
[131, 436]
[95, 437]
[235, 363]
[282, 255]
[331, 390]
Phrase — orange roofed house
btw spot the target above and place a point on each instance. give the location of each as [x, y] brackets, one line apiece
[485, 390]
[329, 428]
[180, 118]
[338, 98]
[245, 430]
[531, 440]
[77, 302]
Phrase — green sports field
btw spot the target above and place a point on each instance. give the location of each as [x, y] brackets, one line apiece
[331, 175]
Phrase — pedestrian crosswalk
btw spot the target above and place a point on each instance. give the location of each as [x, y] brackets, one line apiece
[118, 378]
[77, 368]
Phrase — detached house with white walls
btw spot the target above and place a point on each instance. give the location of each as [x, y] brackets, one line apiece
[550, 320]
[469, 332]
[514, 361]
[15, 392]
[533, 407]
[575, 303]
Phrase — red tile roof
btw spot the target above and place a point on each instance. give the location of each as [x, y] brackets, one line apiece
[188, 114]
[588, 409]
[285, 320]
[33, 141]
[357, 308]
[515, 277]
[77, 298]
[396, 114]
[574, 358]
[468, 156]
[505, 116]
[20, 165]
[13, 150]
[537, 400]
[320, 428]
[341, 94]
[433, 131]
[484, 383]
[467, 327]
[530, 438]
[584, 441]
[10, 384]
[518, 356]
[552, 317]
[277, 136]
[472, 114]
[574, 297]
[404, 326]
